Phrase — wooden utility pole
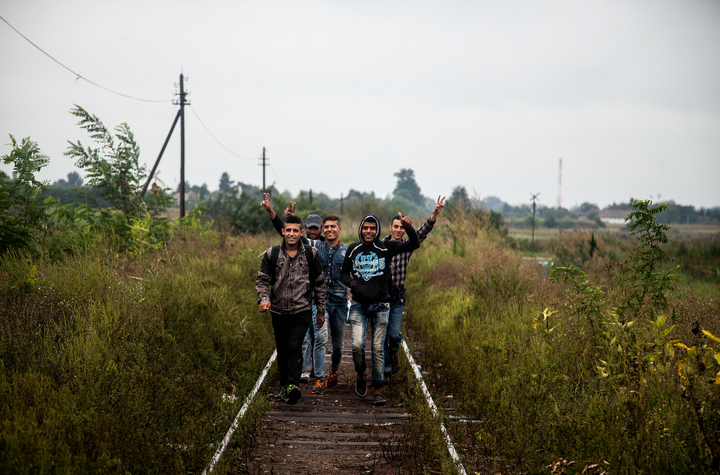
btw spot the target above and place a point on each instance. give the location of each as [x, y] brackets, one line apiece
[182, 146]
[162, 150]
[264, 162]
[532, 246]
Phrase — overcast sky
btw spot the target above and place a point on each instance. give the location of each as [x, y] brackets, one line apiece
[488, 95]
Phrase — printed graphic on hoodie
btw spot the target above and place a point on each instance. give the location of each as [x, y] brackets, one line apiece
[368, 265]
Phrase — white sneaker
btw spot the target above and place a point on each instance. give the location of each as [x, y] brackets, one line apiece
[305, 377]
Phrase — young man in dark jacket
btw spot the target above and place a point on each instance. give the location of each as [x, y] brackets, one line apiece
[332, 254]
[366, 273]
[290, 275]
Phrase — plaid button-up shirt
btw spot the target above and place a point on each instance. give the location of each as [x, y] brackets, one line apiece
[399, 263]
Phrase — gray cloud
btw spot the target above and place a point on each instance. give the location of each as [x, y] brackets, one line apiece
[482, 94]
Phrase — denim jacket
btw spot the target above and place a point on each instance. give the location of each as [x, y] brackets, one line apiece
[332, 259]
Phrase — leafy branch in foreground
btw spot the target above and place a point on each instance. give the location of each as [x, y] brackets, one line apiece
[114, 166]
[21, 210]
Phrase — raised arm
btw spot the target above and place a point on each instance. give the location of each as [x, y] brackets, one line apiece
[277, 222]
[413, 241]
[438, 209]
[425, 229]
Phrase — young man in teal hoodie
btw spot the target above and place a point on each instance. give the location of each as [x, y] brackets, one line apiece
[366, 273]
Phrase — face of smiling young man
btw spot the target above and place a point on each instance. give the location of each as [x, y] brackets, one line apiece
[291, 233]
[313, 232]
[397, 230]
[331, 229]
[369, 231]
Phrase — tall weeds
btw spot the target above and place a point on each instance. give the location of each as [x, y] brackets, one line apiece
[114, 363]
[549, 374]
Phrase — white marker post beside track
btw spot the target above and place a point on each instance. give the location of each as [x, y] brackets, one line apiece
[228, 437]
[431, 403]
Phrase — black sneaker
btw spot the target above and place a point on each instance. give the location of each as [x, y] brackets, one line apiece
[361, 387]
[281, 396]
[293, 394]
[379, 400]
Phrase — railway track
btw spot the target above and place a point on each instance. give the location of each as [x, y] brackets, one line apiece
[337, 433]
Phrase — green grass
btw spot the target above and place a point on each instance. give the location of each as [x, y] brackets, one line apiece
[677, 231]
[580, 387]
[116, 364]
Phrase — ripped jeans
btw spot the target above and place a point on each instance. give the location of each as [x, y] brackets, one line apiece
[377, 316]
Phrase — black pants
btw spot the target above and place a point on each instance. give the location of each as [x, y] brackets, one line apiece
[289, 334]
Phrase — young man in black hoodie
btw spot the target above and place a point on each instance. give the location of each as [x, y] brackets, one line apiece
[366, 273]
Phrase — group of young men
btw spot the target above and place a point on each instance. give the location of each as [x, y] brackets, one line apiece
[307, 283]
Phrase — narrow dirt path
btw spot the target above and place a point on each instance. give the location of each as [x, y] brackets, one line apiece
[334, 433]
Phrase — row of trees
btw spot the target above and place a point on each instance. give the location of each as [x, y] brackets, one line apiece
[110, 196]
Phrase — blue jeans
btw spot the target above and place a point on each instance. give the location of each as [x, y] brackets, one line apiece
[307, 347]
[377, 316]
[337, 317]
[314, 346]
[394, 337]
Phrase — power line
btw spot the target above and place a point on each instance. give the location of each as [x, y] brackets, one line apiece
[77, 75]
[215, 138]
[278, 178]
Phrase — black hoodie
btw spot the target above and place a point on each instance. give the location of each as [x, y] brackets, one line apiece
[366, 269]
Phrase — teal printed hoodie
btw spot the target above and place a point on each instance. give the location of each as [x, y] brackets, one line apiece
[366, 268]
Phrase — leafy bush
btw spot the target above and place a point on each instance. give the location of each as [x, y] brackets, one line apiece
[21, 213]
[643, 277]
[116, 364]
[550, 374]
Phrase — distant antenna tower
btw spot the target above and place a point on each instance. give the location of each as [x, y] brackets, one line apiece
[559, 196]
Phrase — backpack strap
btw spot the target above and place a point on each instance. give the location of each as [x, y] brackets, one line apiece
[309, 256]
[274, 253]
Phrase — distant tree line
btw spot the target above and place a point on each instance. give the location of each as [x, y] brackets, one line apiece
[109, 196]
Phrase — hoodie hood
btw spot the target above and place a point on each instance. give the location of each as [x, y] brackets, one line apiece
[369, 217]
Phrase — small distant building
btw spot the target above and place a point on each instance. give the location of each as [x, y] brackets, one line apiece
[614, 216]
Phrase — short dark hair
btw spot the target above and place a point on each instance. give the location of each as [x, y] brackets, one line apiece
[331, 217]
[292, 219]
[395, 218]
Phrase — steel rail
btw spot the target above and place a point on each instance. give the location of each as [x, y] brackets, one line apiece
[433, 407]
[228, 437]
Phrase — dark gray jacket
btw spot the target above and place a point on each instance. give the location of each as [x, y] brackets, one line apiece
[292, 291]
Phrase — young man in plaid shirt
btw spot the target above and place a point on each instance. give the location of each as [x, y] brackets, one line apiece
[398, 272]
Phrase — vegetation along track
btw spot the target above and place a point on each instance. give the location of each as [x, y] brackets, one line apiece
[338, 432]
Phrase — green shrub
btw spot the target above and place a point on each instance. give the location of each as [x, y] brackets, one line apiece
[21, 208]
[111, 363]
[551, 374]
